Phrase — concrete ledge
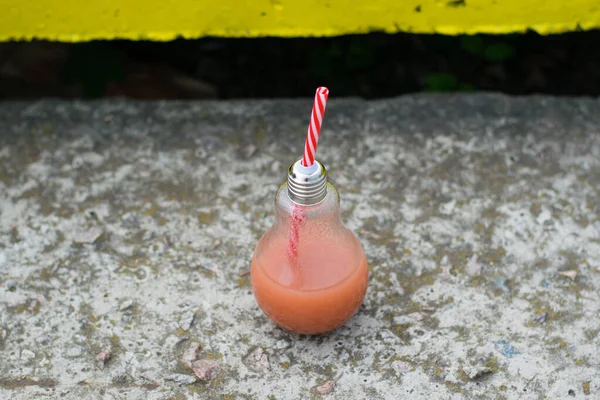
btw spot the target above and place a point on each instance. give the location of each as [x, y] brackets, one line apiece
[159, 20]
[126, 230]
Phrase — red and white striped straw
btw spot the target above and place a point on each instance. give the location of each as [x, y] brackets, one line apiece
[314, 128]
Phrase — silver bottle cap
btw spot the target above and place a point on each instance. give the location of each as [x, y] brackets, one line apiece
[307, 186]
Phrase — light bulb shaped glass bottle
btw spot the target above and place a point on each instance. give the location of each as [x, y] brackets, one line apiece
[309, 271]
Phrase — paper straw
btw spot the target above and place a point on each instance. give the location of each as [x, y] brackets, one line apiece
[314, 128]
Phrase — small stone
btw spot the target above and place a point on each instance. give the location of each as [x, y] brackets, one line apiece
[11, 286]
[501, 283]
[325, 388]
[205, 370]
[258, 360]
[103, 358]
[27, 355]
[541, 318]
[125, 305]
[182, 379]
[186, 321]
[401, 367]
[572, 274]
[105, 354]
[88, 237]
[416, 316]
[473, 267]
[571, 393]
[74, 351]
[190, 354]
[477, 371]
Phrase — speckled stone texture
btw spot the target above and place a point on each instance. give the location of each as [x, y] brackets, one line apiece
[126, 232]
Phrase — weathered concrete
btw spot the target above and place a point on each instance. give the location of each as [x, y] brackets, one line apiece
[479, 215]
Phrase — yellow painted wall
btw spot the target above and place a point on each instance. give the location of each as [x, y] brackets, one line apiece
[78, 20]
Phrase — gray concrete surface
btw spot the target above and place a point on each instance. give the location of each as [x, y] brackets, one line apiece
[126, 230]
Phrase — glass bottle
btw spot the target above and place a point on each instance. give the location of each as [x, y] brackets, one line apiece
[309, 271]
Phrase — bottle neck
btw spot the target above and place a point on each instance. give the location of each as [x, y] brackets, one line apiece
[327, 209]
[307, 186]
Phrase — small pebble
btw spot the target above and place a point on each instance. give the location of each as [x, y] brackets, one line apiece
[182, 379]
[325, 388]
[105, 355]
[11, 286]
[88, 237]
[258, 360]
[572, 274]
[186, 321]
[416, 316]
[125, 305]
[27, 355]
[190, 354]
[205, 370]
[477, 371]
[501, 283]
[541, 318]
